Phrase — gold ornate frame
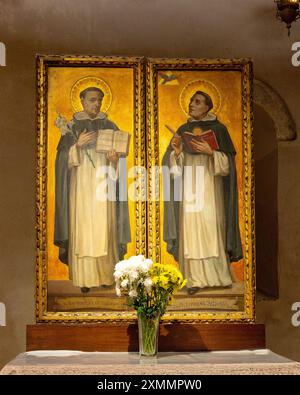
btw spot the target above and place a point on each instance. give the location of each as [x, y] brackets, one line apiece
[244, 66]
[43, 64]
[145, 152]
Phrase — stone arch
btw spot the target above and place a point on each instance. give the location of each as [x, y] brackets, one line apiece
[2, 314]
[274, 105]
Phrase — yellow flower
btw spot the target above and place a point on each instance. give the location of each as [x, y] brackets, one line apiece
[171, 300]
[164, 282]
[167, 276]
[183, 284]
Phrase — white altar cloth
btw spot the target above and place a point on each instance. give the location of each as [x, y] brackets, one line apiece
[45, 362]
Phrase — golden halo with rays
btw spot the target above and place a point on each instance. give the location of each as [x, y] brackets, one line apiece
[200, 85]
[87, 82]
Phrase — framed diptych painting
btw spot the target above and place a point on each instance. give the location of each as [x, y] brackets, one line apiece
[144, 156]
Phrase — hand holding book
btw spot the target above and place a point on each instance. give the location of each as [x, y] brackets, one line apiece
[112, 156]
[196, 143]
[204, 143]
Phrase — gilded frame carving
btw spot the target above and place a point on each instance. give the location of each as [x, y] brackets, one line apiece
[244, 66]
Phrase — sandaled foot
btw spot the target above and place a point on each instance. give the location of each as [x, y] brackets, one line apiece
[85, 290]
[193, 290]
[105, 286]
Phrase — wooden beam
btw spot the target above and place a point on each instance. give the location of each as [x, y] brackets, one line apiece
[124, 337]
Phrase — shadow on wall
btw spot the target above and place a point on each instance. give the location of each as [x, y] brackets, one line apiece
[266, 203]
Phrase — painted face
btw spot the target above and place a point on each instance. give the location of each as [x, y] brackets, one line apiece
[91, 103]
[198, 107]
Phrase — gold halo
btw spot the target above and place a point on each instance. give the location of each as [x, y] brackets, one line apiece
[199, 85]
[87, 82]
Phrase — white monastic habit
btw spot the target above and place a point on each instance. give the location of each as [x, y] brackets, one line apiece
[93, 243]
[202, 257]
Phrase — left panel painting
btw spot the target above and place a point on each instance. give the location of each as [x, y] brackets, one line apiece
[90, 213]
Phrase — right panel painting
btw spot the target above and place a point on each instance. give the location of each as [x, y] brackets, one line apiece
[201, 198]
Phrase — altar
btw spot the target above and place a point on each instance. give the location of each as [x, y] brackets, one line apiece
[70, 362]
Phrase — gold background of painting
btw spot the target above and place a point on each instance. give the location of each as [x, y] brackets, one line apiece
[230, 114]
[121, 112]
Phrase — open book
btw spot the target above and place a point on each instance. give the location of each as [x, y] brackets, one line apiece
[208, 136]
[109, 139]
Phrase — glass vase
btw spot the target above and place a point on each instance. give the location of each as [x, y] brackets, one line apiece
[148, 335]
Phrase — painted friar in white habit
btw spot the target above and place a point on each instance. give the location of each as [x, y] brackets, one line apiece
[91, 232]
[203, 241]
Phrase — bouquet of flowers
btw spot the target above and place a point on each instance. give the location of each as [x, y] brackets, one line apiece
[149, 288]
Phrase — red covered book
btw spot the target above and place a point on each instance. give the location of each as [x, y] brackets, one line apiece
[208, 136]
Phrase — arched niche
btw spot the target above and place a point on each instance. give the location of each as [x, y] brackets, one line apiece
[273, 104]
[272, 123]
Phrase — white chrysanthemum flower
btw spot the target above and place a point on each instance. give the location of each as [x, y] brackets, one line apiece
[133, 275]
[120, 265]
[131, 270]
[146, 266]
[136, 260]
[148, 283]
[133, 293]
[124, 283]
[118, 274]
[140, 257]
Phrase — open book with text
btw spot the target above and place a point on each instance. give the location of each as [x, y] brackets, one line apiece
[109, 139]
